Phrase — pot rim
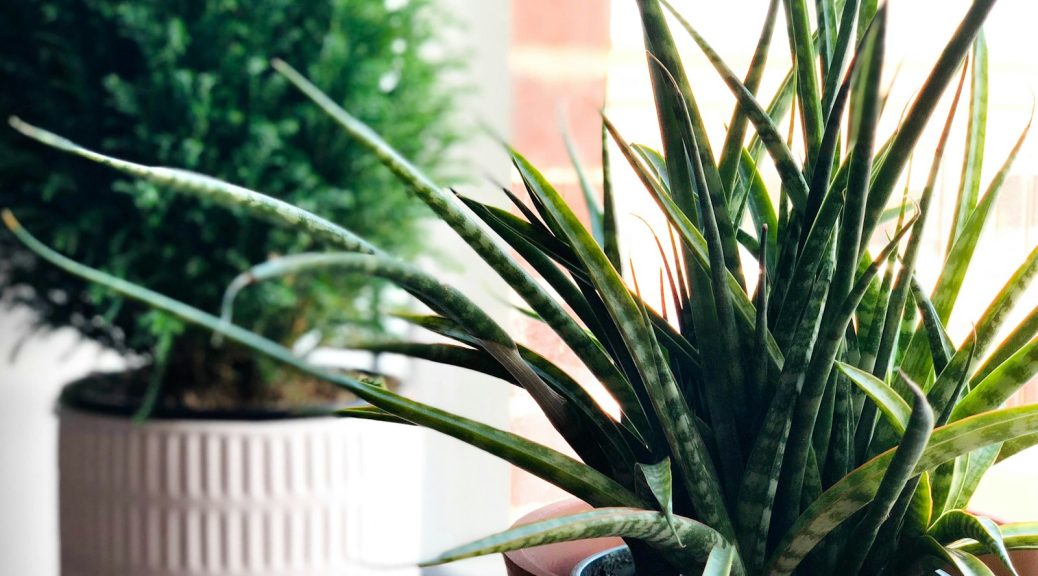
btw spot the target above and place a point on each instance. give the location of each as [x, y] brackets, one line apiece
[76, 396]
[578, 570]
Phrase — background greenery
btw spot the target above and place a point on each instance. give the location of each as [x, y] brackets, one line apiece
[187, 84]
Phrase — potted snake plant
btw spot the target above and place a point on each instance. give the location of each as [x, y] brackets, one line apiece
[794, 404]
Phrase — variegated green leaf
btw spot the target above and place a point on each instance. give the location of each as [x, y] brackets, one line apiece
[450, 211]
[652, 527]
[890, 402]
[565, 472]
[918, 115]
[976, 132]
[901, 468]
[1015, 536]
[731, 151]
[857, 489]
[956, 525]
[789, 171]
[1002, 383]
[720, 561]
[661, 483]
[961, 253]
[967, 564]
[208, 188]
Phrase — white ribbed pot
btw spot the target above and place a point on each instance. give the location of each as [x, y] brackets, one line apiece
[214, 498]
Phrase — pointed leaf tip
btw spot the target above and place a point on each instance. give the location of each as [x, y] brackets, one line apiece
[10, 221]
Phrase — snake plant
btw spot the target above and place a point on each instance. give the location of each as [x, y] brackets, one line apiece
[817, 419]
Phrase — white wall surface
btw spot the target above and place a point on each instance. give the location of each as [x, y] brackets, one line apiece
[29, 385]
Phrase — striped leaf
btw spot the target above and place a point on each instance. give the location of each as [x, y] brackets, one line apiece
[658, 477]
[1015, 536]
[789, 170]
[976, 135]
[450, 210]
[857, 489]
[889, 402]
[918, 115]
[565, 472]
[218, 191]
[901, 468]
[961, 253]
[967, 564]
[648, 526]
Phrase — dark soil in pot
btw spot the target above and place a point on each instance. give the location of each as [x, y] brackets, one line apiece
[224, 392]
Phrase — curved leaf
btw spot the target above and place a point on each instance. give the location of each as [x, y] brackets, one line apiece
[720, 561]
[649, 526]
[212, 189]
[788, 168]
[1015, 536]
[450, 210]
[858, 488]
[889, 401]
[578, 479]
[896, 476]
[1000, 385]
[956, 524]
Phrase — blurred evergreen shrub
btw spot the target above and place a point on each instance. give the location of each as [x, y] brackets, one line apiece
[186, 83]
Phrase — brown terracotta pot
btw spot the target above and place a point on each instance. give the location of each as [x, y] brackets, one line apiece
[1025, 562]
[555, 559]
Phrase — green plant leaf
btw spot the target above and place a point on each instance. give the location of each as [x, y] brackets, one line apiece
[682, 435]
[941, 347]
[208, 188]
[578, 479]
[976, 465]
[976, 131]
[967, 564]
[843, 43]
[819, 369]
[611, 244]
[901, 468]
[692, 238]
[731, 151]
[789, 170]
[904, 282]
[857, 489]
[920, 510]
[649, 526]
[590, 200]
[1001, 384]
[660, 481]
[371, 413]
[758, 490]
[450, 210]
[865, 104]
[450, 354]
[889, 402]
[961, 253]
[570, 419]
[1015, 536]
[720, 561]
[1017, 339]
[915, 120]
[803, 54]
